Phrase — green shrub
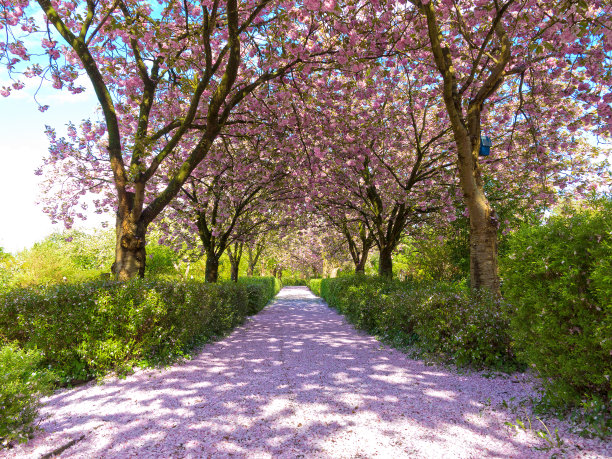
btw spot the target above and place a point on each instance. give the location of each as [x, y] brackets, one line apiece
[558, 278]
[260, 291]
[161, 260]
[74, 256]
[315, 286]
[86, 330]
[21, 385]
[439, 318]
[294, 281]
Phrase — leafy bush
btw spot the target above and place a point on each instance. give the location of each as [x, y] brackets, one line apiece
[21, 385]
[315, 286]
[85, 330]
[259, 290]
[161, 260]
[439, 318]
[293, 281]
[74, 256]
[558, 278]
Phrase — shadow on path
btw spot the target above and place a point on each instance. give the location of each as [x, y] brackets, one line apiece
[295, 381]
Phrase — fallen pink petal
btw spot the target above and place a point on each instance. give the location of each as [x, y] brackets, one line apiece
[297, 381]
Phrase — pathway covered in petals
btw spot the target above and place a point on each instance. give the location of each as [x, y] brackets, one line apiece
[295, 381]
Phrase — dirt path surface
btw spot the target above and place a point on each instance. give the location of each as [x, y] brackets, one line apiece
[295, 381]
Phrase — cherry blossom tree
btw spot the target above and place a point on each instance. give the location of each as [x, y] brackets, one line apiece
[234, 195]
[551, 50]
[378, 155]
[167, 78]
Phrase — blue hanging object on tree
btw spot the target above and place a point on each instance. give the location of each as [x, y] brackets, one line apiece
[485, 146]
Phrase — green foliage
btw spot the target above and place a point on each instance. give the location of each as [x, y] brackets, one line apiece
[85, 330]
[558, 277]
[7, 267]
[594, 417]
[21, 385]
[259, 290]
[315, 286]
[73, 256]
[292, 281]
[161, 260]
[429, 259]
[442, 319]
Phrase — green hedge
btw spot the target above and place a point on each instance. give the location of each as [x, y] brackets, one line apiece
[294, 281]
[443, 319]
[85, 330]
[558, 276]
[20, 389]
[260, 290]
[315, 286]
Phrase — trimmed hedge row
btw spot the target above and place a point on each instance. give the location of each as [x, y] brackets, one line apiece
[86, 330]
[439, 318]
[260, 290]
[557, 279]
[294, 281]
[315, 286]
[80, 331]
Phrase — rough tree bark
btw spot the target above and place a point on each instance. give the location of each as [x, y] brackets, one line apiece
[130, 252]
[235, 254]
[466, 128]
[211, 273]
[385, 265]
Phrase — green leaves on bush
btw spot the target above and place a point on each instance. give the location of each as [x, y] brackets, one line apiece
[259, 291]
[315, 286]
[21, 385]
[558, 277]
[293, 281]
[85, 330]
[440, 318]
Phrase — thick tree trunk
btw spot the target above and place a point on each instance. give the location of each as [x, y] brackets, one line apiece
[385, 265]
[484, 271]
[130, 253]
[234, 272]
[360, 265]
[212, 268]
[466, 131]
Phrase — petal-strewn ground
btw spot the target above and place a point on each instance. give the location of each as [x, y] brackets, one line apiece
[295, 381]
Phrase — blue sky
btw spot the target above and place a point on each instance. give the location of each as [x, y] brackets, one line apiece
[23, 145]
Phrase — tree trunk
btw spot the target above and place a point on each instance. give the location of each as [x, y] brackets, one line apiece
[235, 255]
[212, 268]
[360, 265]
[234, 272]
[484, 223]
[385, 265]
[254, 255]
[466, 131]
[130, 253]
[484, 271]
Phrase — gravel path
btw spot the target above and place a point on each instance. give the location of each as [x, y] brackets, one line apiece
[294, 381]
